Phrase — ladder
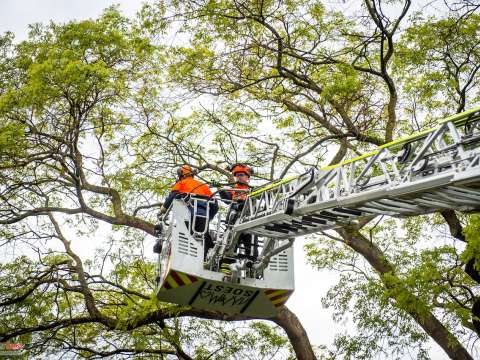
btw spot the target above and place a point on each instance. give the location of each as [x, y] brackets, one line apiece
[433, 170]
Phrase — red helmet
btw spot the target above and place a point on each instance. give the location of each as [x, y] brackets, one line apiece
[185, 171]
[241, 168]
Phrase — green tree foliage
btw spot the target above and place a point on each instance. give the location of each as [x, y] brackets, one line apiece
[432, 281]
[441, 71]
[79, 120]
[347, 81]
[95, 114]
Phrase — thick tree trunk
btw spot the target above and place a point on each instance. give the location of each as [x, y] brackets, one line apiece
[454, 224]
[456, 230]
[286, 319]
[296, 333]
[434, 328]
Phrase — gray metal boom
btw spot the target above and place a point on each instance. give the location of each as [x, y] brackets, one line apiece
[430, 171]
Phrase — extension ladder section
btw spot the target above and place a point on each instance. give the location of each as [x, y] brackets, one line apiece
[434, 170]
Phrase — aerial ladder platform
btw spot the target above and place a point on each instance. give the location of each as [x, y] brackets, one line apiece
[433, 170]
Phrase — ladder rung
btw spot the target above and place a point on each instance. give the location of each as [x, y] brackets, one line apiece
[333, 213]
[348, 211]
[437, 198]
[275, 228]
[288, 227]
[324, 216]
[297, 225]
[377, 211]
[400, 203]
[432, 203]
[389, 207]
[313, 219]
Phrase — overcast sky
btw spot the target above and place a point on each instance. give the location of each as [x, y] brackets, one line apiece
[311, 285]
[16, 15]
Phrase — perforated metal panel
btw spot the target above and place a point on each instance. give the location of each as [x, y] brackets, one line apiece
[186, 246]
[279, 262]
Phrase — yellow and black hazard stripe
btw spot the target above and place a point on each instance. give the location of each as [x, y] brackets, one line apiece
[176, 279]
[278, 297]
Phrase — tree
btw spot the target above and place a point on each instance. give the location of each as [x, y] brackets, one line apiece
[97, 112]
[441, 70]
[433, 274]
[73, 102]
[330, 79]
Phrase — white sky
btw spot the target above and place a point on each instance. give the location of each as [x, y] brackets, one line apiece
[16, 15]
[311, 285]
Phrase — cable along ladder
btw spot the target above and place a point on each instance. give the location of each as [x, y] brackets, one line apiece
[433, 170]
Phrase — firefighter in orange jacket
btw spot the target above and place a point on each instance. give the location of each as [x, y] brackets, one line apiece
[188, 185]
[242, 174]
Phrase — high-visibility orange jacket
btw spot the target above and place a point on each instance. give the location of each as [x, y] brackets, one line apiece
[235, 195]
[239, 195]
[189, 185]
